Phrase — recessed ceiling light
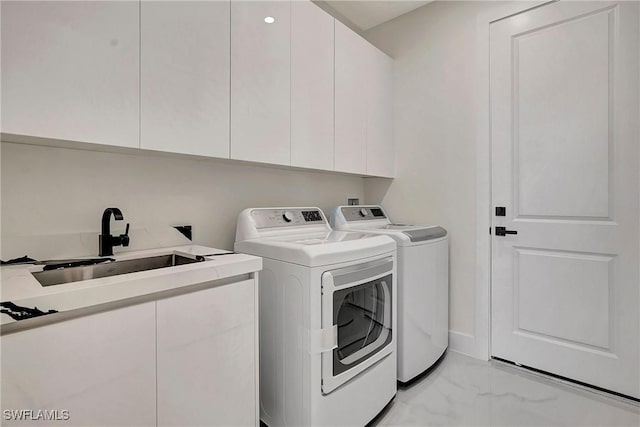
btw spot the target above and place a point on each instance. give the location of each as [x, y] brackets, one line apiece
[269, 19]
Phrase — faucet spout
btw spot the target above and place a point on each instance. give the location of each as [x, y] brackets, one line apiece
[106, 219]
[106, 240]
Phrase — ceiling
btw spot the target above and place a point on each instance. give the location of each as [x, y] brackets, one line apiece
[367, 14]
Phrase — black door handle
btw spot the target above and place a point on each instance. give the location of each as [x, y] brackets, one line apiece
[502, 231]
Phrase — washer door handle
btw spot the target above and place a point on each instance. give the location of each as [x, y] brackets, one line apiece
[323, 340]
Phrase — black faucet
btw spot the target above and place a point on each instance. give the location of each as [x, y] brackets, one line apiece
[106, 240]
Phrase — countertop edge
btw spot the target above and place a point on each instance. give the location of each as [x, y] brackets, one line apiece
[61, 316]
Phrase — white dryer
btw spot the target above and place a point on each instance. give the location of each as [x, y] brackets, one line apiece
[423, 284]
[327, 318]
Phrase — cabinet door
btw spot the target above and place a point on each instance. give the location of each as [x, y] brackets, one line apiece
[207, 373]
[101, 368]
[350, 100]
[185, 77]
[260, 79]
[312, 44]
[380, 147]
[70, 70]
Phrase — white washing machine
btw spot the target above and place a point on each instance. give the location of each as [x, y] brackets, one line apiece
[327, 318]
[423, 284]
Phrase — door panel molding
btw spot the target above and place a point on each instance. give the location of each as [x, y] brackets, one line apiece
[586, 266]
[534, 141]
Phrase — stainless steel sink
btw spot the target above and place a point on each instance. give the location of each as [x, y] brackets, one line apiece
[76, 274]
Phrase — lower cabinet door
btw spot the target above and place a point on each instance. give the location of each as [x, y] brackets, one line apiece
[96, 370]
[207, 357]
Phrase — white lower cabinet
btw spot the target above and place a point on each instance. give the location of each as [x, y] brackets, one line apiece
[100, 368]
[207, 349]
[186, 360]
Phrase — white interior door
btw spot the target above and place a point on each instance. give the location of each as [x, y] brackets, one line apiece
[564, 124]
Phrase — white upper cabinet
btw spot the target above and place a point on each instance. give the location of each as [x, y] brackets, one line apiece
[260, 81]
[70, 70]
[185, 57]
[350, 100]
[277, 82]
[380, 147]
[312, 45]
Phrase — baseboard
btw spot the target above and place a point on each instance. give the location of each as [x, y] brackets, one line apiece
[465, 344]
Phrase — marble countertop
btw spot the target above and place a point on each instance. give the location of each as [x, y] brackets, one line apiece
[19, 286]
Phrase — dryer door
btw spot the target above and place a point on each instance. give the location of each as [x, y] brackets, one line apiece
[357, 302]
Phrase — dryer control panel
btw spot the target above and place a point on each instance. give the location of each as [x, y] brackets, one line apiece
[361, 213]
[295, 217]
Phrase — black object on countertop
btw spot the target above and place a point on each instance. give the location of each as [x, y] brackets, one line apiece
[54, 264]
[185, 230]
[20, 313]
[22, 260]
[219, 254]
[76, 263]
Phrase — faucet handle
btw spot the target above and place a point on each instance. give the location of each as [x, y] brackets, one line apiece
[124, 238]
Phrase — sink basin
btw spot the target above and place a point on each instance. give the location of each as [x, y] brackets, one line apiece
[76, 274]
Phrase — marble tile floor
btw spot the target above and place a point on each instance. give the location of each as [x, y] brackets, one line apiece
[462, 391]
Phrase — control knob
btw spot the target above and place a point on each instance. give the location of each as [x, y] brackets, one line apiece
[363, 212]
[287, 216]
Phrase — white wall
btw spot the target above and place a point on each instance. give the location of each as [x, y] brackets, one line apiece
[49, 191]
[435, 83]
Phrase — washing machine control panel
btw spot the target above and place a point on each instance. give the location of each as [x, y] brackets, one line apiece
[266, 218]
[361, 213]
